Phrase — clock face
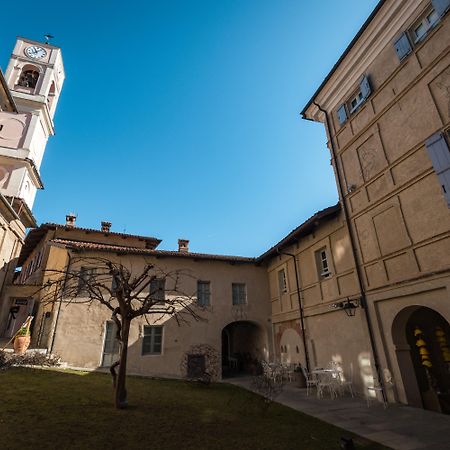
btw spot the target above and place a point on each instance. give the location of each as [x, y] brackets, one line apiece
[35, 52]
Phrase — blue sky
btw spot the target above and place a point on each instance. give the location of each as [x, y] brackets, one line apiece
[181, 118]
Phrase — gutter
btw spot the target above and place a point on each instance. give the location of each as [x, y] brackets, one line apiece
[60, 302]
[355, 257]
[300, 306]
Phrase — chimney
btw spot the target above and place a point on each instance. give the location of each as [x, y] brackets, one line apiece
[70, 220]
[183, 245]
[106, 227]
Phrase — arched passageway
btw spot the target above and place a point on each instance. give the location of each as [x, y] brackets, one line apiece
[422, 340]
[243, 344]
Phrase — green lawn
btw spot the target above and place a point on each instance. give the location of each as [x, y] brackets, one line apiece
[43, 409]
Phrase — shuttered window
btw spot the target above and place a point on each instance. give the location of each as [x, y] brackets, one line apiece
[365, 88]
[157, 290]
[439, 154]
[403, 46]
[203, 293]
[282, 284]
[239, 294]
[342, 114]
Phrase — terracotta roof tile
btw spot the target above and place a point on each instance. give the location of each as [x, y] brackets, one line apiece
[94, 246]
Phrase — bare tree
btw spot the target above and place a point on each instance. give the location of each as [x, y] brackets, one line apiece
[150, 293]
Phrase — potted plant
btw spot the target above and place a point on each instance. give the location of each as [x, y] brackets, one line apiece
[23, 338]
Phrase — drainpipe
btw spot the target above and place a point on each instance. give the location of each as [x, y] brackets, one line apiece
[300, 307]
[356, 259]
[60, 301]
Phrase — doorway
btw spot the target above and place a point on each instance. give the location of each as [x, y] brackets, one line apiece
[425, 359]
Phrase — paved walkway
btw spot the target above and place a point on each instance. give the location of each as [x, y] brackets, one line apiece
[398, 427]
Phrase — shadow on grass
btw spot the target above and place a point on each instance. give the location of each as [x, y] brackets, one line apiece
[67, 409]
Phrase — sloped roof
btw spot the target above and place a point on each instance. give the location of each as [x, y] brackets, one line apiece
[305, 228]
[122, 249]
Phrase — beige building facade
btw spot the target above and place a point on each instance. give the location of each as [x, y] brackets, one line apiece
[363, 284]
[386, 108]
[229, 293]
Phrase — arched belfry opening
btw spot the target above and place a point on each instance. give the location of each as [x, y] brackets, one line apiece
[244, 345]
[51, 96]
[28, 77]
[422, 342]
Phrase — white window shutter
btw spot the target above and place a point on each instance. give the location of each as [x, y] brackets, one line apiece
[342, 114]
[403, 46]
[439, 154]
[364, 85]
[441, 6]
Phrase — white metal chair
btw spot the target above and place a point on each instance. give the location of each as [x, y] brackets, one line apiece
[311, 380]
[376, 388]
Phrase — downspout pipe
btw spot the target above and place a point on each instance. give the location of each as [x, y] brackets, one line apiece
[300, 307]
[356, 259]
[69, 261]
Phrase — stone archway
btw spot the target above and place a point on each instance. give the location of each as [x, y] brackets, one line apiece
[243, 344]
[422, 339]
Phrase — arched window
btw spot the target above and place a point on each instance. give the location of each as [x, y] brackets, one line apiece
[51, 96]
[28, 78]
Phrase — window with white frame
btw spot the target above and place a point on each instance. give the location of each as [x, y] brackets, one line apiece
[323, 267]
[152, 340]
[203, 293]
[425, 23]
[356, 100]
[282, 282]
[239, 293]
[421, 28]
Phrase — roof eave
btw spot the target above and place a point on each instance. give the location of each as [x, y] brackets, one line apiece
[342, 57]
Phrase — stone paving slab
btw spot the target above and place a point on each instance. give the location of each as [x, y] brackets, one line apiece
[398, 426]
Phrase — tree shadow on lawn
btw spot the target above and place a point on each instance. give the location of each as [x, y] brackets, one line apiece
[74, 410]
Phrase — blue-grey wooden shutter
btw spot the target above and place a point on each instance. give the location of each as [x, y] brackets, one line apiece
[441, 6]
[439, 154]
[342, 114]
[403, 46]
[364, 85]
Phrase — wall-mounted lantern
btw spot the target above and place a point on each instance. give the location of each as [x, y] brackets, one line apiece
[349, 306]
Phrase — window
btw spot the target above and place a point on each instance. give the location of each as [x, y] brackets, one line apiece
[355, 100]
[239, 294]
[28, 78]
[152, 340]
[282, 284]
[322, 263]
[420, 29]
[84, 277]
[157, 290]
[203, 293]
[426, 22]
[110, 345]
[439, 153]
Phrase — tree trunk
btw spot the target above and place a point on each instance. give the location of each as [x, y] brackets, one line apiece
[120, 389]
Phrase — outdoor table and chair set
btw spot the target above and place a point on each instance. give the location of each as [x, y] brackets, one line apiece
[327, 381]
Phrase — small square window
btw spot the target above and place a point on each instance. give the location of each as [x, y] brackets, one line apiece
[203, 293]
[239, 294]
[152, 340]
[322, 263]
[282, 283]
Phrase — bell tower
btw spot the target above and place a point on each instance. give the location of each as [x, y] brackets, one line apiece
[34, 76]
